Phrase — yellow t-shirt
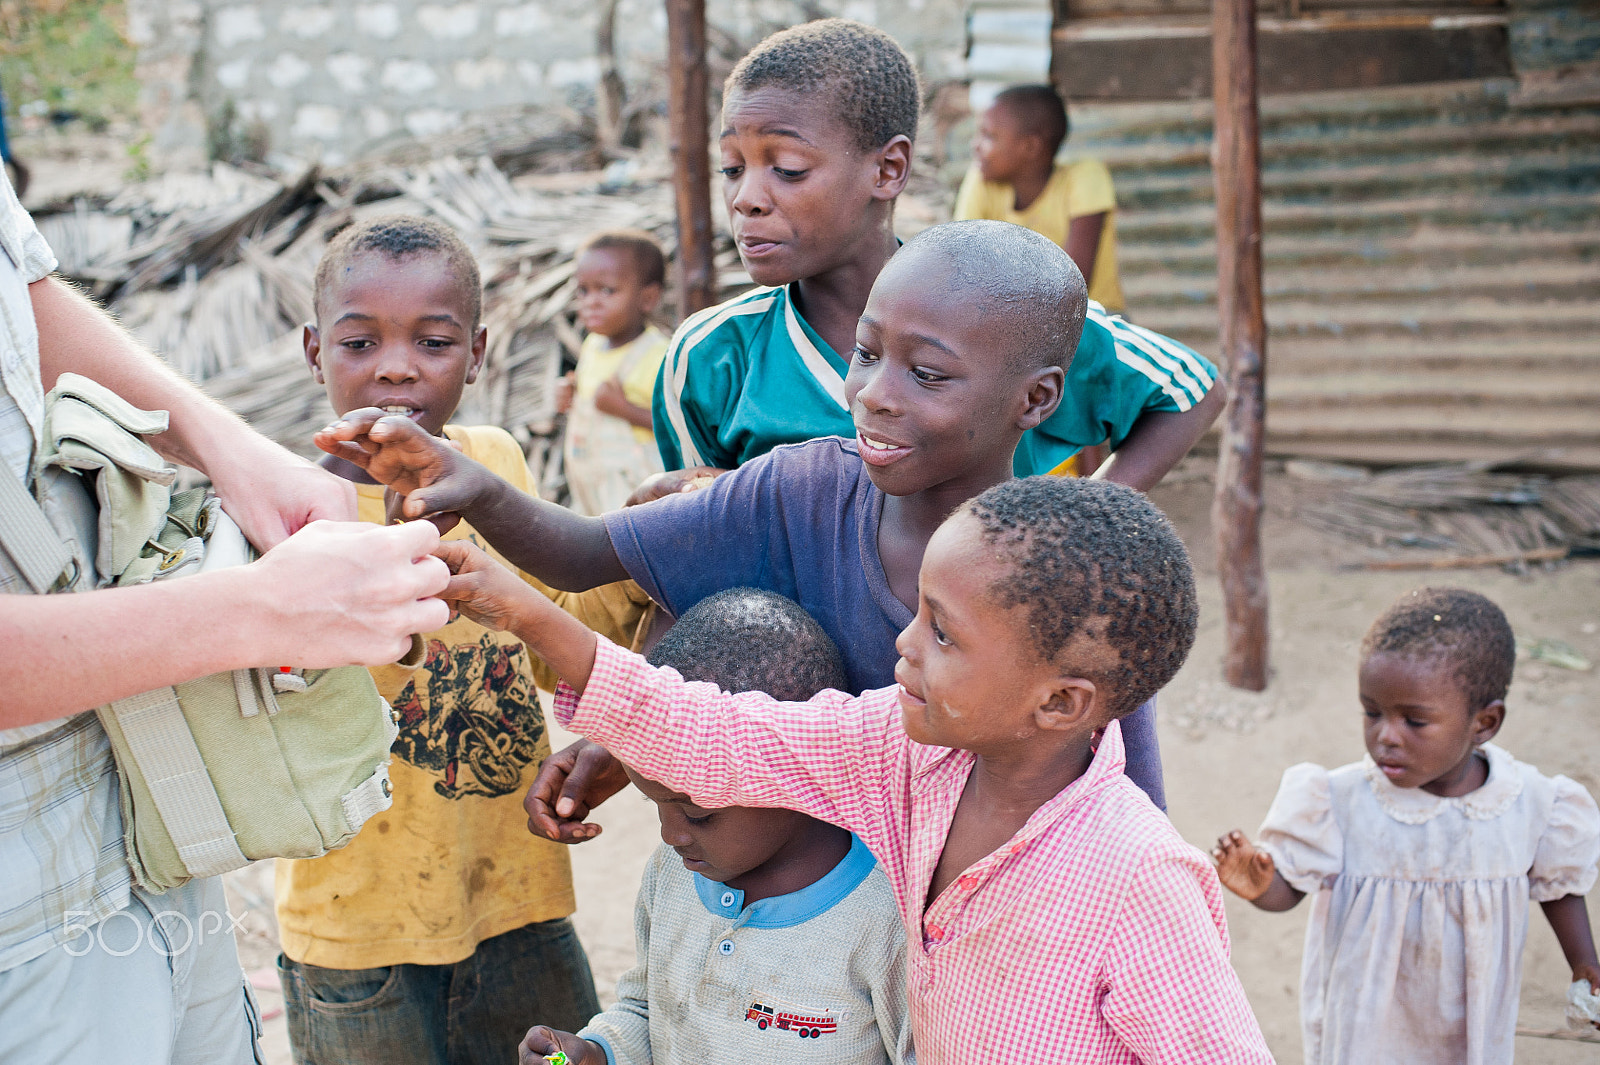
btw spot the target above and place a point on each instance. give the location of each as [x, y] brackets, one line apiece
[451, 863]
[1074, 190]
[597, 361]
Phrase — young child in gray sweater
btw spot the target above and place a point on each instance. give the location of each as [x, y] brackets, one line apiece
[763, 934]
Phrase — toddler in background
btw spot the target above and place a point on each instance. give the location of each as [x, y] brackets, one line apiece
[610, 447]
[1422, 856]
[1016, 179]
[758, 928]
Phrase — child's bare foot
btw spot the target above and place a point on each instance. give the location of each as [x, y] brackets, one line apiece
[1243, 869]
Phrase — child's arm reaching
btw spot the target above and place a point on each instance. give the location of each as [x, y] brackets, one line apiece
[1569, 919]
[1249, 872]
[542, 1044]
[565, 550]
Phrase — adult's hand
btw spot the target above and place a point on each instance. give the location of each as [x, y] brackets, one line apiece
[344, 593]
[571, 783]
[273, 494]
[673, 482]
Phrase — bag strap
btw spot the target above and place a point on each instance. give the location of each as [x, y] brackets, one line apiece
[160, 742]
[28, 537]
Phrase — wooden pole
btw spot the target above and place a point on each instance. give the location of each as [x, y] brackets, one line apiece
[688, 105]
[1236, 509]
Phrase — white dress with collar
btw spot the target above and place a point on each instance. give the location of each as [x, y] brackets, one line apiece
[1419, 904]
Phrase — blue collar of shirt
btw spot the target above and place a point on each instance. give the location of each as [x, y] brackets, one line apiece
[797, 907]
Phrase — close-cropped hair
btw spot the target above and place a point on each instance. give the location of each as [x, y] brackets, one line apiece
[750, 640]
[399, 237]
[1033, 296]
[869, 79]
[649, 262]
[1094, 561]
[1040, 111]
[1461, 628]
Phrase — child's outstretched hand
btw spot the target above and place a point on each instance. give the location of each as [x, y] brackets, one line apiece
[483, 590]
[1243, 868]
[435, 478]
[570, 784]
[542, 1042]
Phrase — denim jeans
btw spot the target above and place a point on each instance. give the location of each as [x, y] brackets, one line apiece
[474, 1011]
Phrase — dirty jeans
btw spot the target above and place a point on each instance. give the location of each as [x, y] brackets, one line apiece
[155, 983]
[474, 1011]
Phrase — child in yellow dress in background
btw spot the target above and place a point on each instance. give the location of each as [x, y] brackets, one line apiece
[1016, 179]
[610, 446]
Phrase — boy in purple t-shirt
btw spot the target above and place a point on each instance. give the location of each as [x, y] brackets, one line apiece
[838, 525]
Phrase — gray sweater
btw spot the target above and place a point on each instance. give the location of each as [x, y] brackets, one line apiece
[813, 976]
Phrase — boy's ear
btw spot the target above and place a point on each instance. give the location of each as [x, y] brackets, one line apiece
[1070, 704]
[650, 297]
[1486, 722]
[311, 341]
[480, 344]
[1045, 389]
[894, 168]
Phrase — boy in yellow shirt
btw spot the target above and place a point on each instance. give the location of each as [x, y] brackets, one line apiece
[440, 929]
[610, 446]
[1016, 179]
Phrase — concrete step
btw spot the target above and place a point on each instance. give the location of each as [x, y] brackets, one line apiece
[1393, 216]
[1462, 246]
[1292, 355]
[1539, 281]
[1469, 393]
[1560, 169]
[1500, 135]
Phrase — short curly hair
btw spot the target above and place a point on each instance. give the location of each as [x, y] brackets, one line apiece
[398, 237]
[1464, 629]
[1030, 295]
[649, 262]
[870, 78]
[1094, 561]
[750, 640]
[1039, 109]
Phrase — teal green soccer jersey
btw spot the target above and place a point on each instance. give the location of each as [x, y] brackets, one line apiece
[745, 376]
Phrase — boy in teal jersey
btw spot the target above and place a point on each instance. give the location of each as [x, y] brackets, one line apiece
[818, 122]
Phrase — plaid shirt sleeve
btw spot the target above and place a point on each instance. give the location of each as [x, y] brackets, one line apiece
[832, 757]
[1171, 994]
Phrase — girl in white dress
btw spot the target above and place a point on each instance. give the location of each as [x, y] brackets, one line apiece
[1422, 857]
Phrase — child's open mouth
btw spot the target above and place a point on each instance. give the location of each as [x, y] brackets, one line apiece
[402, 409]
[877, 452]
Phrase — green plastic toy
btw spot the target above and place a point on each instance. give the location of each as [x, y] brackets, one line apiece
[558, 1058]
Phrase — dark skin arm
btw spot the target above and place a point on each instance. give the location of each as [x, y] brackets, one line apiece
[565, 550]
[1569, 919]
[1250, 873]
[1083, 242]
[541, 1042]
[610, 399]
[1159, 439]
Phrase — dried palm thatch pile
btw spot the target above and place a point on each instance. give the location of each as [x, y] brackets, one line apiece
[215, 270]
[1467, 514]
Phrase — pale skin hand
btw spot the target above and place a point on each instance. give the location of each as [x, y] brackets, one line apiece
[1249, 872]
[541, 1042]
[333, 594]
[270, 492]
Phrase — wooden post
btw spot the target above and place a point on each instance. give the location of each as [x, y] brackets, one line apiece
[1236, 508]
[688, 104]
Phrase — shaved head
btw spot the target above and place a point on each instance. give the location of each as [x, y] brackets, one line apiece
[1029, 293]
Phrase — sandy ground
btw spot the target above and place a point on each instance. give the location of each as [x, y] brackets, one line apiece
[1224, 751]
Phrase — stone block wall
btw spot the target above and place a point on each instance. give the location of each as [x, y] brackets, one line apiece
[323, 79]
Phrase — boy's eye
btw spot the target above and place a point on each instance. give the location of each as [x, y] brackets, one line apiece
[356, 343]
[861, 354]
[1370, 715]
[1414, 723]
[731, 171]
[938, 634]
[927, 377]
[790, 174]
[702, 819]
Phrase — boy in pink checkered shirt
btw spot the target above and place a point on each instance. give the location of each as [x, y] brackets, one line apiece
[1054, 915]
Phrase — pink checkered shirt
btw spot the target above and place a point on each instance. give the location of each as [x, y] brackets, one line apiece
[1095, 935]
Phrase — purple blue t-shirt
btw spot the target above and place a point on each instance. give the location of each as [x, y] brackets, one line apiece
[802, 521]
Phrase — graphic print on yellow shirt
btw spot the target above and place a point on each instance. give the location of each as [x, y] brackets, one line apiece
[451, 863]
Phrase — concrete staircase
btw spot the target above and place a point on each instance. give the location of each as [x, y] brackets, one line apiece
[1432, 265]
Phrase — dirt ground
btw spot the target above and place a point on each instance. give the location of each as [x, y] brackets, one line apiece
[1224, 751]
